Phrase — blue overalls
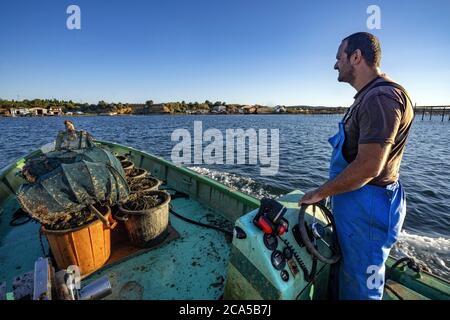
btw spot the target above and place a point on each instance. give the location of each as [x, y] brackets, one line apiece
[368, 223]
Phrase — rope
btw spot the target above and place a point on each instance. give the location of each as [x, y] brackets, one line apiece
[411, 263]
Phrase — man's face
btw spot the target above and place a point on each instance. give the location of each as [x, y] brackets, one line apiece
[343, 65]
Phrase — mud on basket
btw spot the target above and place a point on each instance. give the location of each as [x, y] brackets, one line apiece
[146, 217]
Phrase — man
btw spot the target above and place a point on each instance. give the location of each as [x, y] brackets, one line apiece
[71, 139]
[69, 126]
[367, 200]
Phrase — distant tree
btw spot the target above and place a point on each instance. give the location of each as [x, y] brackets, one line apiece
[102, 105]
[70, 106]
[149, 103]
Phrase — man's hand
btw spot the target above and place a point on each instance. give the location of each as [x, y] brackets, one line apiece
[311, 197]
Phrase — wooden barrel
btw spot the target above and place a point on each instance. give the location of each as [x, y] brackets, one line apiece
[87, 247]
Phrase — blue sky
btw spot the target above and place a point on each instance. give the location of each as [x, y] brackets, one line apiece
[238, 51]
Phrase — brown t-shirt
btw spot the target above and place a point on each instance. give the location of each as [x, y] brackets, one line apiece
[379, 115]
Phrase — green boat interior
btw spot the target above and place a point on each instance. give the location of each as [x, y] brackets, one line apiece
[211, 250]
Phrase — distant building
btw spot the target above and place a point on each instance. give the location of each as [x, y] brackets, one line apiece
[157, 108]
[280, 109]
[52, 111]
[249, 109]
[19, 112]
[5, 113]
[38, 111]
[201, 111]
[219, 109]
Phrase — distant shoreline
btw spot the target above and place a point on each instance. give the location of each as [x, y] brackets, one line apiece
[42, 108]
[172, 114]
[53, 107]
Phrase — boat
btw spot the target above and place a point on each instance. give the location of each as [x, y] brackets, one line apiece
[215, 248]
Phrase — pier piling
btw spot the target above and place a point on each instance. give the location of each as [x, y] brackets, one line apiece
[438, 110]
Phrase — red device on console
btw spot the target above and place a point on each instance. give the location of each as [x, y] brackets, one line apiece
[270, 217]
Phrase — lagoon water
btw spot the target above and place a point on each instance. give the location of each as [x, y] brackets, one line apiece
[303, 162]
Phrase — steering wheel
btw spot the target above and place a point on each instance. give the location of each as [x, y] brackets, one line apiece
[317, 233]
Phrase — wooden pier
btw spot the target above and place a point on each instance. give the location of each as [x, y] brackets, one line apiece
[430, 111]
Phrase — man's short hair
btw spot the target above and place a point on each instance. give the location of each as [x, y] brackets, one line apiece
[369, 46]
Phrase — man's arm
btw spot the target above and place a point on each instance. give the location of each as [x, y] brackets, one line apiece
[368, 164]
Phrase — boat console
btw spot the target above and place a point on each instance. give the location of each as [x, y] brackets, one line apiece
[281, 251]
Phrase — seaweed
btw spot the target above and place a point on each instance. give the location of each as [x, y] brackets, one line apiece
[142, 201]
[73, 220]
[142, 184]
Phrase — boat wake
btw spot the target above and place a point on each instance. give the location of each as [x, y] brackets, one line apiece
[434, 253]
[243, 184]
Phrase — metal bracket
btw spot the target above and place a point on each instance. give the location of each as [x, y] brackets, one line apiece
[43, 273]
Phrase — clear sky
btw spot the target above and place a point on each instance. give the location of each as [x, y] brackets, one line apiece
[241, 51]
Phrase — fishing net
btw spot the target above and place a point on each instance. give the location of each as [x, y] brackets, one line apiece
[62, 183]
[73, 140]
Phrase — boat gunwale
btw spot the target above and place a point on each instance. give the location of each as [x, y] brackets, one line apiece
[15, 163]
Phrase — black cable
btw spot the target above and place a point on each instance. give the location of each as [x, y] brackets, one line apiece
[229, 233]
[14, 223]
[17, 216]
[179, 194]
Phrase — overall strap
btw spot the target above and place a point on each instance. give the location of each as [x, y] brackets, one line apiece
[395, 85]
[349, 112]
